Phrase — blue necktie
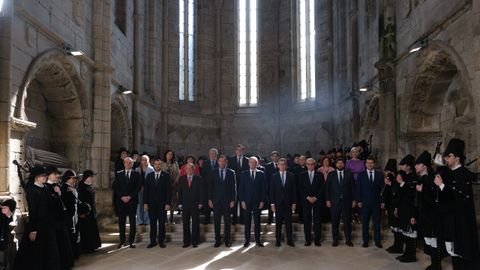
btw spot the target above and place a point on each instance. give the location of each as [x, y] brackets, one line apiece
[221, 174]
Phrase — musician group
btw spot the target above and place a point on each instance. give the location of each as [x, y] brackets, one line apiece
[427, 203]
[61, 219]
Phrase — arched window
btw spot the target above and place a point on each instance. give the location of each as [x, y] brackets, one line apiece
[306, 49]
[247, 44]
[186, 72]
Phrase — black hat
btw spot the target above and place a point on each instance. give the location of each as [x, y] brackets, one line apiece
[202, 158]
[12, 205]
[322, 152]
[68, 174]
[87, 173]
[36, 171]
[391, 165]
[425, 158]
[122, 149]
[443, 171]
[51, 169]
[456, 147]
[408, 160]
[134, 152]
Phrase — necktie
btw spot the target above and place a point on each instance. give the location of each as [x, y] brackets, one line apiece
[311, 177]
[371, 176]
[283, 178]
[239, 162]
[253, 176]
[189, 181]
[221, 175]
[275, 166]
[341, 177]
[128, 176]
[212, 164]
[156, 177]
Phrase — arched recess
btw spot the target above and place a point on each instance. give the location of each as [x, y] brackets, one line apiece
[439, 103]
[120, 126]
[53, 97]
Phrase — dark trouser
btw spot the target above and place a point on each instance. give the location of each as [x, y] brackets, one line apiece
[283, 214]
[191, 237]
[345, 212]
[247, 214]
[218, 212]
[236, 216]
[124, 210]
[373, 212]
[312, 212]
[157, 214]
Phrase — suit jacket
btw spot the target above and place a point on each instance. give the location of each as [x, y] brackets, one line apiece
[252, 192]
[314, 189]
[233, 164]
[157, 193]
[335, 189]
[370, 193]
[191, 197]
[283, 194]
[123, 187]
[270, 170]
[207, 168]
[222, 191]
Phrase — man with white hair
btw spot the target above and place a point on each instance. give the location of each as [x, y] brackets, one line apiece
[125, 192]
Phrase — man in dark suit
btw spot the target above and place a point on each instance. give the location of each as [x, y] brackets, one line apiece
[221, 198]
[125, 191]
[370, 185]
[238, 163]
[210, 166]
[271, 169]
[340, 198]
[297, 170]
[312, 189]
[157, 194]
[252, 194]
[191, 198]
[283, 200]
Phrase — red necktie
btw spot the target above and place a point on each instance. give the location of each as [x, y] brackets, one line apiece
[189, 181]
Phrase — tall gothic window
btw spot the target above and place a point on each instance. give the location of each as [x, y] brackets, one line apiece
[306, 49]
[186, 23]
[247, 52]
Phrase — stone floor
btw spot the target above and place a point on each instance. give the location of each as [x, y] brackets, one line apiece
[237, 257]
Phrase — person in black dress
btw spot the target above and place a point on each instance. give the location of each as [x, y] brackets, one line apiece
[6, 216]
[57, 211]
[87, 214]
[390, 193]
[70, 200]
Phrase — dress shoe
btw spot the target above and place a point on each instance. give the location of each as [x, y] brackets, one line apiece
[247, 244]
[379, 245]
[290, 243]
[260, 244]
[132, 246]
[163, 245]
[349, 243]
[228, 244]
[217, 244]
[365, 245]
[307, 244]
[151, 245]
[194, 245]
[185, 245]
[317, 243]
[335, 243]
[406, 259]
[120, 245]
[278, 244]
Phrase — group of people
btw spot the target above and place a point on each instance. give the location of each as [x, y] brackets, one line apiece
[61, 219]
[421, 199]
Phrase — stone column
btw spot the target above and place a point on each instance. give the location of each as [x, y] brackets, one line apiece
[386, 77]
[100, 153]
[5, 86]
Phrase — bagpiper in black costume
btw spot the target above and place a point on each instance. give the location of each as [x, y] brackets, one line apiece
[406, 211]
[456, 202]
[390, 192]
